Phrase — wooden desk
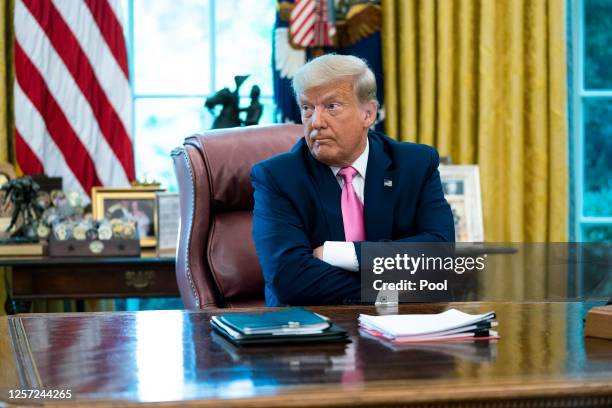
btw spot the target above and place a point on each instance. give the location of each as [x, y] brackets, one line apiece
[174, 357]
[39, 278]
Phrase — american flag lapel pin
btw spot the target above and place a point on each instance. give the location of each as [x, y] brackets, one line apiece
[388, 183]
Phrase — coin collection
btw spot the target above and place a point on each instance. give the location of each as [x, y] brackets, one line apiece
[60, 208]
[65, 217]
[91, 230]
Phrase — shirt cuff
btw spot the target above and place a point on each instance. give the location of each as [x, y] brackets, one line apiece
[340, 254]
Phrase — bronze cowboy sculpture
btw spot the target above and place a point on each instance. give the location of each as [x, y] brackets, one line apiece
[230, 102]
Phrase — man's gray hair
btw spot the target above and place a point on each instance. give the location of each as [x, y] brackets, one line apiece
[331, 68]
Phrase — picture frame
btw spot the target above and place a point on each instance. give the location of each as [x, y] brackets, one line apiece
[461, 185]
[136, 202]
[168, 215]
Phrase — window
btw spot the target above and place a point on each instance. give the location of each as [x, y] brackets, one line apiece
[591, 128]
[180, 53]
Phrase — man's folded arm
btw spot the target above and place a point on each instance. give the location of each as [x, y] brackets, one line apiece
[285, 253]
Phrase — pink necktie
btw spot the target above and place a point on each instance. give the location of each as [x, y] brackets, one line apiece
[352, 209]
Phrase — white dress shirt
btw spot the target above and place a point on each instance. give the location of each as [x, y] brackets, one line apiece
[341, 253]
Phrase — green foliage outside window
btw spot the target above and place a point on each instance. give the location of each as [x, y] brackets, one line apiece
[596, 106]
[598, 37]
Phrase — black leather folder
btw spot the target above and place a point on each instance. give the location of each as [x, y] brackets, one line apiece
[287, 326]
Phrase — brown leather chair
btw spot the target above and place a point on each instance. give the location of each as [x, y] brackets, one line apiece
[216, 264]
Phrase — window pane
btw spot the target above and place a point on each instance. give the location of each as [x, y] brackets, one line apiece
[244, 43]
[171, 46]
[597, 198]
[597, 233]
[161, 125]
[598, 37]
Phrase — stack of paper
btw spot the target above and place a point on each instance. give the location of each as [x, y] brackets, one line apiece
[450, 325]
[292, 325]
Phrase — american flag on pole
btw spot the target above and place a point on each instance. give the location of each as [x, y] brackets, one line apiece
[312, 24]
[73, 106]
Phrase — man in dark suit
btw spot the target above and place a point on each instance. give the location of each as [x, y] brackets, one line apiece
[339, 186]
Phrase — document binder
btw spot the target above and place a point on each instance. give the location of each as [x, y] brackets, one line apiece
[289, 320]
[449, 325]
[292, 325]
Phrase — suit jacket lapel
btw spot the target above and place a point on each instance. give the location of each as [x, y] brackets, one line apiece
[378, 193]
[329, 195]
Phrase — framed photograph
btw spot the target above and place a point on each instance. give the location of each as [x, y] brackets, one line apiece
[138, 203]
[461, 184]
[169, 216]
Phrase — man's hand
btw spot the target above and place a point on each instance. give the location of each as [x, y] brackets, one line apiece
[318, 252]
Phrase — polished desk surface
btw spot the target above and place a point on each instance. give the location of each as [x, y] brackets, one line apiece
[174, 356]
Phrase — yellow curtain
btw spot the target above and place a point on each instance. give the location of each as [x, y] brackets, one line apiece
[484, 81]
